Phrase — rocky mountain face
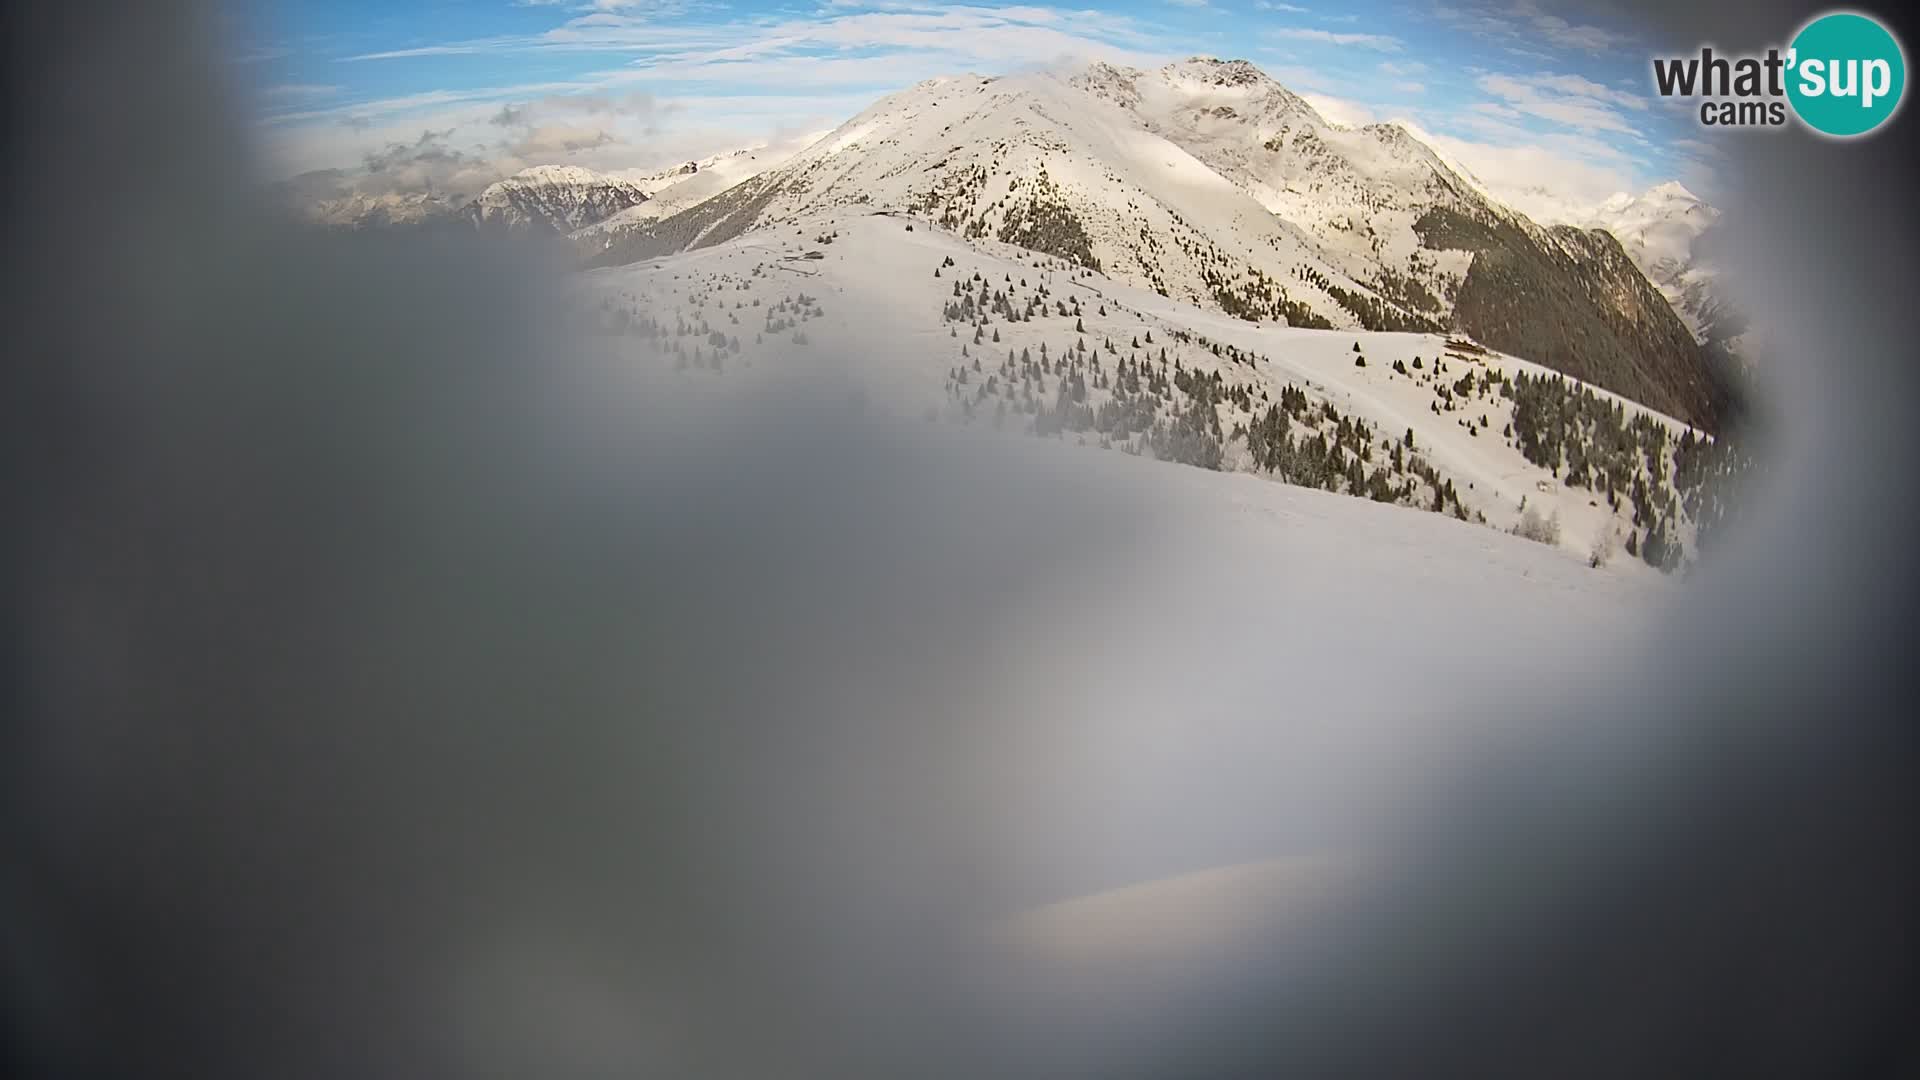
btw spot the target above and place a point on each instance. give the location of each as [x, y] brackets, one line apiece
[1574, 301]
[553, 198]
[1669, 232]
[556, 199]
[368, 210]
[1209, 182]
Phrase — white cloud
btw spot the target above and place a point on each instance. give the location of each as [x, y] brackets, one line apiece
[259, 54]
[1700, 148]
[1561, 32]
[904, 25]
[469, 145]
[1475, 19]
[369, 111]
[1299, 79]
[1343, 111]
[1575, 86]
[300, 91]
[1703, 179]
[552, 141]
[829, 64]
[450, 49]
[707, 83]
[1379, 42]
[1526, 18]
[1564, 99]
[1550, 178]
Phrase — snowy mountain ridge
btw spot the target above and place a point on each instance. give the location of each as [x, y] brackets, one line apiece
[1209, 183]
[684, 186]
[553, 198]
[547, 198]
[362, 210]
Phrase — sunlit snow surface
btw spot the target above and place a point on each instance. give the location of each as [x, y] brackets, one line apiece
[1166, 800]
[881, 324]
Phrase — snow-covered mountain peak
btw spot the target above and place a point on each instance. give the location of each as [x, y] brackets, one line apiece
[552, 174]
[557, 198]
[1209, 183]
[1615, 203]
[361, 210]
[1199, 91]
[1218, 72]
[1665, 229]
[1671, 189]
[1396, 137]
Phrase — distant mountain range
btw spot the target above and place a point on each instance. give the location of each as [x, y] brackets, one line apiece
[553, 198]
[1669, 232]
[561, 199]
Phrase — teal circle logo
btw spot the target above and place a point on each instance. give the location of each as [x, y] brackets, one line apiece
[1846, 74]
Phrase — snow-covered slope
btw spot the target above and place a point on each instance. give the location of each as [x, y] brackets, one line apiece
[1209, 183]
[988, 334]
[681, 187]
[1357, 192]
[553, 198]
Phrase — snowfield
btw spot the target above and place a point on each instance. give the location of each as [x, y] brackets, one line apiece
[855, 293]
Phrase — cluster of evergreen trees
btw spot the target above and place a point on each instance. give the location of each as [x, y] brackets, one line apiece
[1146, 400]
[1256, 296]
[1668, 483]
[1406, 291]
[693, 341]
[1173, 412]
[954, 196]
[1140, 396]
[790, 312]
[1338, 453]
[1714, 477]
[1042, 221]
[975, 301]
[1376, 314]
[1151, 405]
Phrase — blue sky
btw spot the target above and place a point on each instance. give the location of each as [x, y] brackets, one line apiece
[1544, 103]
